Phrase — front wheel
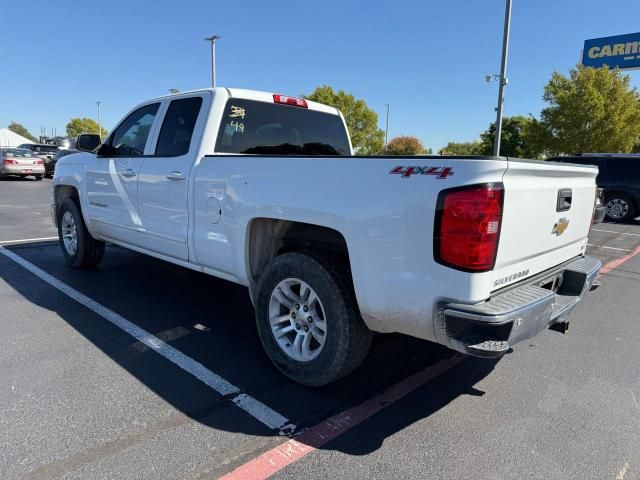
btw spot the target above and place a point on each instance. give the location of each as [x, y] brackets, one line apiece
[620, 208]
[308, 319]
[79, 248]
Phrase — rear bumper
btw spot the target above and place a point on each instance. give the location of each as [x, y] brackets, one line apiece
[490, 329]
[21, 170]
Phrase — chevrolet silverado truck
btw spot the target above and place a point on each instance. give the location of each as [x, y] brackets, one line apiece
[260, 189]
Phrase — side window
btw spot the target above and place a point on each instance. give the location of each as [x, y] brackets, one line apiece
[623, 170]
[130, 137]
[630, 169]
[177, 127]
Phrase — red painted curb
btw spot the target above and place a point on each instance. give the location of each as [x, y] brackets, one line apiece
[293, 450]
[618, 261]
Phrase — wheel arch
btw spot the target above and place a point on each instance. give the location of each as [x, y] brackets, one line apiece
[62, 192]
[269, 237]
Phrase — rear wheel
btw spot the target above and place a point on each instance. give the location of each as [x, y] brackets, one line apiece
[620, 207]
[79, 248]
[38, 177]
[308, 319]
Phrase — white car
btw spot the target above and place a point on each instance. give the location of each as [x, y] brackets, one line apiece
[20, 162]
[261, 189]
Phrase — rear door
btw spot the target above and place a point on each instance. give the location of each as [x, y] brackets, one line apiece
[163, 187]
[547, 215]
[112, 177]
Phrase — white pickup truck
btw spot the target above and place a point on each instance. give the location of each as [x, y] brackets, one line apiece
[475, 253]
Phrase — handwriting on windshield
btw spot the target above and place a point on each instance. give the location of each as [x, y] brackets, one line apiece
[237, 112]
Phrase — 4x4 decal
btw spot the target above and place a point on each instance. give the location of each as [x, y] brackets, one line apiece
[441, 173]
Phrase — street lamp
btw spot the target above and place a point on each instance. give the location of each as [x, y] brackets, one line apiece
[213, 39]
[99, 122]
[502, 78]
[386, 131]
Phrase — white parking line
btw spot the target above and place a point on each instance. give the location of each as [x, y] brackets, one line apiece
[613, 231]
[253, 407]
[26, 240]
[610, 248]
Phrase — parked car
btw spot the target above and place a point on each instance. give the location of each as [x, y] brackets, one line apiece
[619, 176]
[261, 189]
[44, 151]
[20, 162]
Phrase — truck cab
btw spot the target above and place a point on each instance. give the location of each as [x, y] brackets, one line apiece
[262, 189]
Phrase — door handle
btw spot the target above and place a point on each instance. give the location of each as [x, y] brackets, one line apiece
[128, 173]
[175, 175]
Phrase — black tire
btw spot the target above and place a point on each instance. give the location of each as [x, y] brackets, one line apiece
[615, 203]
[38, 177]
[89, 251]
[347, 339]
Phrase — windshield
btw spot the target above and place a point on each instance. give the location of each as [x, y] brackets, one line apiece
[17, 153]
[253, 127]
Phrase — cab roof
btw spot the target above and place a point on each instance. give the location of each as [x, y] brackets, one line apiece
[246, 94]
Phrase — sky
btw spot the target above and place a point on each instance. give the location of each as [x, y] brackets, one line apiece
[427, 59]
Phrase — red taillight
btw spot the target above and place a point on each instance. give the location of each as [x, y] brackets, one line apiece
[296, 102]
[8, 161]
[468, 227]
[38, 162]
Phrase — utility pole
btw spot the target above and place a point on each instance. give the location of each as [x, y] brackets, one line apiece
[502, 78]
[213, 39]
[386, 130]
[99, 123]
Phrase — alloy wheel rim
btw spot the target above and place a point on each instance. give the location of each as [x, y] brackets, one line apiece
[617, 208]
[297, 319]
[69, 233]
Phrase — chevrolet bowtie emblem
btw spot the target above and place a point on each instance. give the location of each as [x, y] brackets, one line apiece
[560, 226]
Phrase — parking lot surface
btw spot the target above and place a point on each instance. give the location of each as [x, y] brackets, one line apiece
[141, 369]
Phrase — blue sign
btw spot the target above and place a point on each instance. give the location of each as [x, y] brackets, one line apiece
[622, 51]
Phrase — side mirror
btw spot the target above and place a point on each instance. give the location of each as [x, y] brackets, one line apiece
[87, 142]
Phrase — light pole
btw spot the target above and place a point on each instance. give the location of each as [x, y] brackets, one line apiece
[502, 78]
[99, 123]
[213, 39]
[386, 130]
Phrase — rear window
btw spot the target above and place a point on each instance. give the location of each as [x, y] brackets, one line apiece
[253, 127]
[17, 152]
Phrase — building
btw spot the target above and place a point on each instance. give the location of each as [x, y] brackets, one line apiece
[11, 139]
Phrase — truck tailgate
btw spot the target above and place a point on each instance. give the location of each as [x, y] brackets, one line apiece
[546, 217]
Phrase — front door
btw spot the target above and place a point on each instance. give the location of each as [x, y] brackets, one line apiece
[163, 185]
[112, 178]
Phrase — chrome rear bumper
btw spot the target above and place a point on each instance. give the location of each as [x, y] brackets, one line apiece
[490, 328]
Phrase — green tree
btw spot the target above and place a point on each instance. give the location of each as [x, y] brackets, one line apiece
[405, 145]
[516, 138]
[76, 126]
[366, 137]
[462, 148]
[18, 128]
[591, 110]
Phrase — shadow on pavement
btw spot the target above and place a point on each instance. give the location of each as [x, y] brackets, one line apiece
[212, 321]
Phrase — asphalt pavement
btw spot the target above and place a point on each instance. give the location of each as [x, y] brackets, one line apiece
[119, 372]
